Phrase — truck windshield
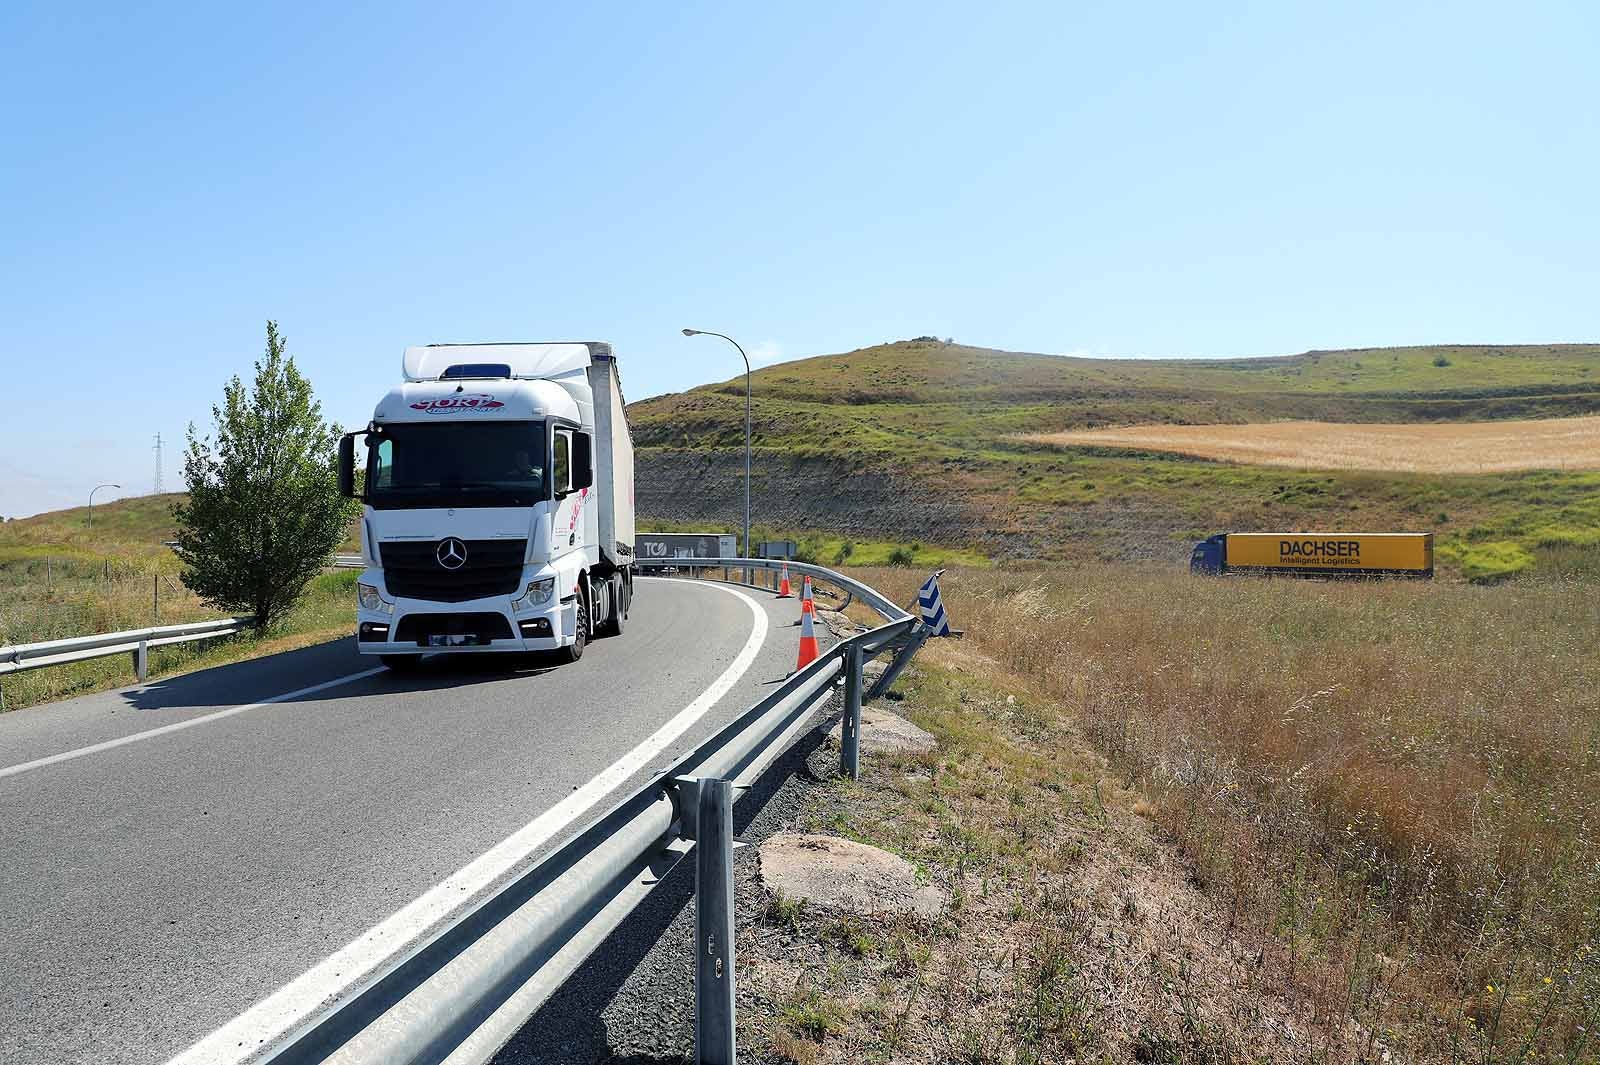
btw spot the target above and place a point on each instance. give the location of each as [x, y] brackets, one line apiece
[457, 465]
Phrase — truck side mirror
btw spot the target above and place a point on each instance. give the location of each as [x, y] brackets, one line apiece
[582, 461]
[347, 465]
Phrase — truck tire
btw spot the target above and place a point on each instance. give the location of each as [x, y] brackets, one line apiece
[401, 663]
[612, 626]
[574, 650]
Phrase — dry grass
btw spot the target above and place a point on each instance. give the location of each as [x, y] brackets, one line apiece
[54, 594]
[1070, 933]
[1395, 788]
[51, 598]
[1441, 447]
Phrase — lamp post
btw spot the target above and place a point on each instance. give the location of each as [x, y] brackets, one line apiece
[746, 358]
[92, 491]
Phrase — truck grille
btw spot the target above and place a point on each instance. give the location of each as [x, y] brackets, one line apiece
[411, 568]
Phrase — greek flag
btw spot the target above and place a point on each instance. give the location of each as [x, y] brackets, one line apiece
[932, 609]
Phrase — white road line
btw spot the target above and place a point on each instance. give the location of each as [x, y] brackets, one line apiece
[367, 958]
[150, 734]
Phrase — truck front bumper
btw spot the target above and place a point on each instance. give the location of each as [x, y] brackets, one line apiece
[479, 625]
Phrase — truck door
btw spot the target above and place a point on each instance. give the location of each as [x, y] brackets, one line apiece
[569, 452]
[564, 516]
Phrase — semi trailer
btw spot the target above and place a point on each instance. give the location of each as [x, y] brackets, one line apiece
[687, 545]
[498, 496]
[1316, 554]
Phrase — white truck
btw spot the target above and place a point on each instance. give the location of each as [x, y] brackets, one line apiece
[499, 503]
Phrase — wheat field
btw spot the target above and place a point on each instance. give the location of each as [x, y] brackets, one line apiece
[1434, 447]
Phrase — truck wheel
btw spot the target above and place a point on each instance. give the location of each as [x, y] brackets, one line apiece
[612, 626]
[401, 663]
[574, 651]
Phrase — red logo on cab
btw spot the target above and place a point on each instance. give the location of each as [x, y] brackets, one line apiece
[478, 401]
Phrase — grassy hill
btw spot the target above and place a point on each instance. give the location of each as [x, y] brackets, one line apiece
[122, 528]
[921, 440]
[948, 391]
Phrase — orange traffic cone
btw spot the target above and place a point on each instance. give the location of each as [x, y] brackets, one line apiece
[808, 605]
[783, 582]
[808, 640]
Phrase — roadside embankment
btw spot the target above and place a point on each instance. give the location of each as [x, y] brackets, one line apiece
[1333, 821]
[1069, 929]
[121, 597]
[72, 573]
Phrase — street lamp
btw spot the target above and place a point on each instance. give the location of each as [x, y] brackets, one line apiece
[746, 358]
[92, 491]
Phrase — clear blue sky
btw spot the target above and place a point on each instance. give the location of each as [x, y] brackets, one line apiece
[1161, 179]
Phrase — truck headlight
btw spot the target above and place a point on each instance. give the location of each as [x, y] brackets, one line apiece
[371, 599]
[537, 593]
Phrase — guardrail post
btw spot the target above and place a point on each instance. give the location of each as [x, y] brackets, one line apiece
[901, 661]
[850, 728]
[713, 924]
[141, 660]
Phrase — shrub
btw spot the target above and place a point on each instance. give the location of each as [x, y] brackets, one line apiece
[808, 549]
[264, 511]
[1494, 561]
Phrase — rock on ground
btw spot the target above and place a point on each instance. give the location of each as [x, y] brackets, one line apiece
[886, 733]
[840, 874]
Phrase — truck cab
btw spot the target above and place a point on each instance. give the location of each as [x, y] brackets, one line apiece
[498, 503]
[1209, 555]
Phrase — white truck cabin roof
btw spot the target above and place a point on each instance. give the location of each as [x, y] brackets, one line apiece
[527, 362]
[477, 400]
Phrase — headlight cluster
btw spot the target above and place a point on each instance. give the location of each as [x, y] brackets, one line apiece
[537, 593]
[371, 599]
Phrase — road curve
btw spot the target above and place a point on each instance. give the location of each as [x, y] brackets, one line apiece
[158, 881]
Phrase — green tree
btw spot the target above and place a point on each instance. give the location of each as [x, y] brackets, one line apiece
[264, 510]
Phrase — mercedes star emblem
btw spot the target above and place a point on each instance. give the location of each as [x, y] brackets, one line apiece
[452, 553]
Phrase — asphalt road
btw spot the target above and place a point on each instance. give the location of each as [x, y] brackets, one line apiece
[157, 881]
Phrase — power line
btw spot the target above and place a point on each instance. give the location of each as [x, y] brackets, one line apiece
[159, 487]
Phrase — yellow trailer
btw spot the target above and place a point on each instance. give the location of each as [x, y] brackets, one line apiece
[1317, 554]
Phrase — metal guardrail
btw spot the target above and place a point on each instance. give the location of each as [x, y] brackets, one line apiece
[881, 604]
[460, 994]
[339, 561]
[136, 642]
[852, 588]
